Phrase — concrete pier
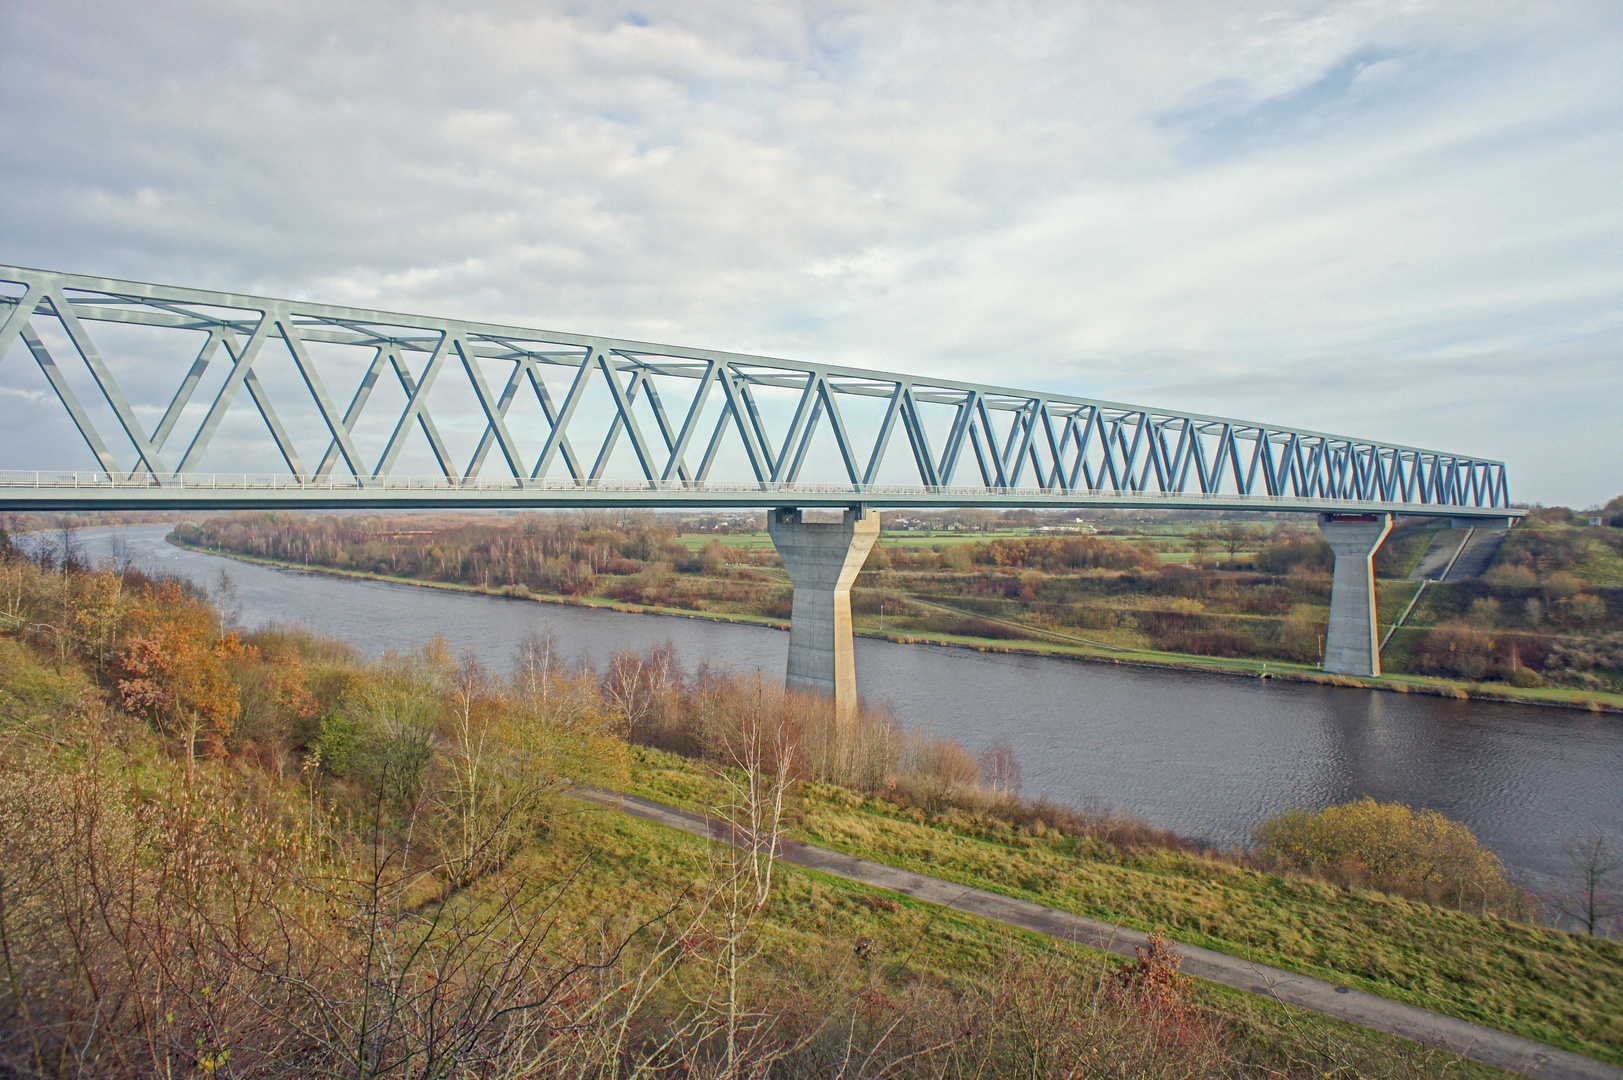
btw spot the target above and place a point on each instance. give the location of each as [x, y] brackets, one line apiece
[1352, 644]
[822, 559]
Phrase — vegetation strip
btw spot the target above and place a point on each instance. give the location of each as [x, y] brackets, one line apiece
[1468, 1040]
[1283, 671]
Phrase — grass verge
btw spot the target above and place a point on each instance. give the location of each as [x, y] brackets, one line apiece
[1561, 989]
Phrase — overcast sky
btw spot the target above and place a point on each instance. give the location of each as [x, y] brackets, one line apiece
[1393, 220]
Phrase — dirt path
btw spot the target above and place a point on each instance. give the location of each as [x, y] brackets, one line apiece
[1468, 1040]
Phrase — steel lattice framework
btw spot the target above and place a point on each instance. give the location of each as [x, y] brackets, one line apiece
[695, 422]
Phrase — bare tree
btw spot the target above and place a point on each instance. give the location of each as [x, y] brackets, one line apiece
[121, 555]
[763, 754]
[1000, 768]
[1594, 859]
[537, 665]
[1235, 535]
[639, 688]
[224, 595]
[70, 555]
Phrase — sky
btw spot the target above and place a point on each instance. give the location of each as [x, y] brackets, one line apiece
[1399, 221]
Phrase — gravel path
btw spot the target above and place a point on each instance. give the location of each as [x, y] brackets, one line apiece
[1461, 1037]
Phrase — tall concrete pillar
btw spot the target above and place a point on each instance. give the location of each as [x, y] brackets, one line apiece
[1352, 645]
[823, 559]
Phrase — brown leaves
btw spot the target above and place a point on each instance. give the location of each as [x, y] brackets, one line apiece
[174, 667]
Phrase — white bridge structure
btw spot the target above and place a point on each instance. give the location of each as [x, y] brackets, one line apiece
[194, 399]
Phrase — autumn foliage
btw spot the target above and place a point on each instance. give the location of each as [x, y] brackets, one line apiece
[1415, 852]
[174, 667]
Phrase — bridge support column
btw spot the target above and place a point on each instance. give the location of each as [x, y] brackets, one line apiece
[1352, 645]
[823, 559]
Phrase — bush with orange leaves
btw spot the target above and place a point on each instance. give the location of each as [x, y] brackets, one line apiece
[1156, 978]
[174, 668]
[1154, 988]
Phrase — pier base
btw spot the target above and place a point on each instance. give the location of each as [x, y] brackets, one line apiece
[1352, 644]
[822, 559]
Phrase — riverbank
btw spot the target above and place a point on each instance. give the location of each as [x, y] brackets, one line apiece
[1550, 697]
[822, 941]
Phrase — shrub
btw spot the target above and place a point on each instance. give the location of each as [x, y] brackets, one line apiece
[1059, 553]
[382, 740]
[1541, 549]
[1525, 678]
[1582, 609]
[1511, 576]
[1484, 613]
[1550, 515]
[1291, 550]
[1416, 853]
[174, 668]
[1454, 648]
[1309, 581]
[1570, 660]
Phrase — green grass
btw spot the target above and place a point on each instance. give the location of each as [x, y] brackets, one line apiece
[742, 541]
[1557, 988]
[1391, 597]
[1602, 564]
[811, 929]
[28, 686]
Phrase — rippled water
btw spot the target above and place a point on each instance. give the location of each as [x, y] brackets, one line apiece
[1207, 756]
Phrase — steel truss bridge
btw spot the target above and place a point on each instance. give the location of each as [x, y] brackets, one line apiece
[451, 413]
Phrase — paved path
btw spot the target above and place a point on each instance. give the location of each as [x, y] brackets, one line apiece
[1468, 1040]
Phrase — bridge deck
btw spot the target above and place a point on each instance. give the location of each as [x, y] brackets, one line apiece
[92, 491]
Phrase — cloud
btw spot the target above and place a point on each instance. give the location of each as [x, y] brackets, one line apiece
[1397, 220]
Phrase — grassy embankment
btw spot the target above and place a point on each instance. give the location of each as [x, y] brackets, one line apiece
[1554, 987]
[1023, 635]
[870, 960]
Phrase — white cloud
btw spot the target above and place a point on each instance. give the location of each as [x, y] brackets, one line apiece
[1193, 204]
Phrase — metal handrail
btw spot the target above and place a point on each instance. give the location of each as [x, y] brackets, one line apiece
[304, 482]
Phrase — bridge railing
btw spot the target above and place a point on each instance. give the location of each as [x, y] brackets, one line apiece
[171, 487]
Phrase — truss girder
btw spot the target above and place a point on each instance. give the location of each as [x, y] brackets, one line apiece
[661, 402]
